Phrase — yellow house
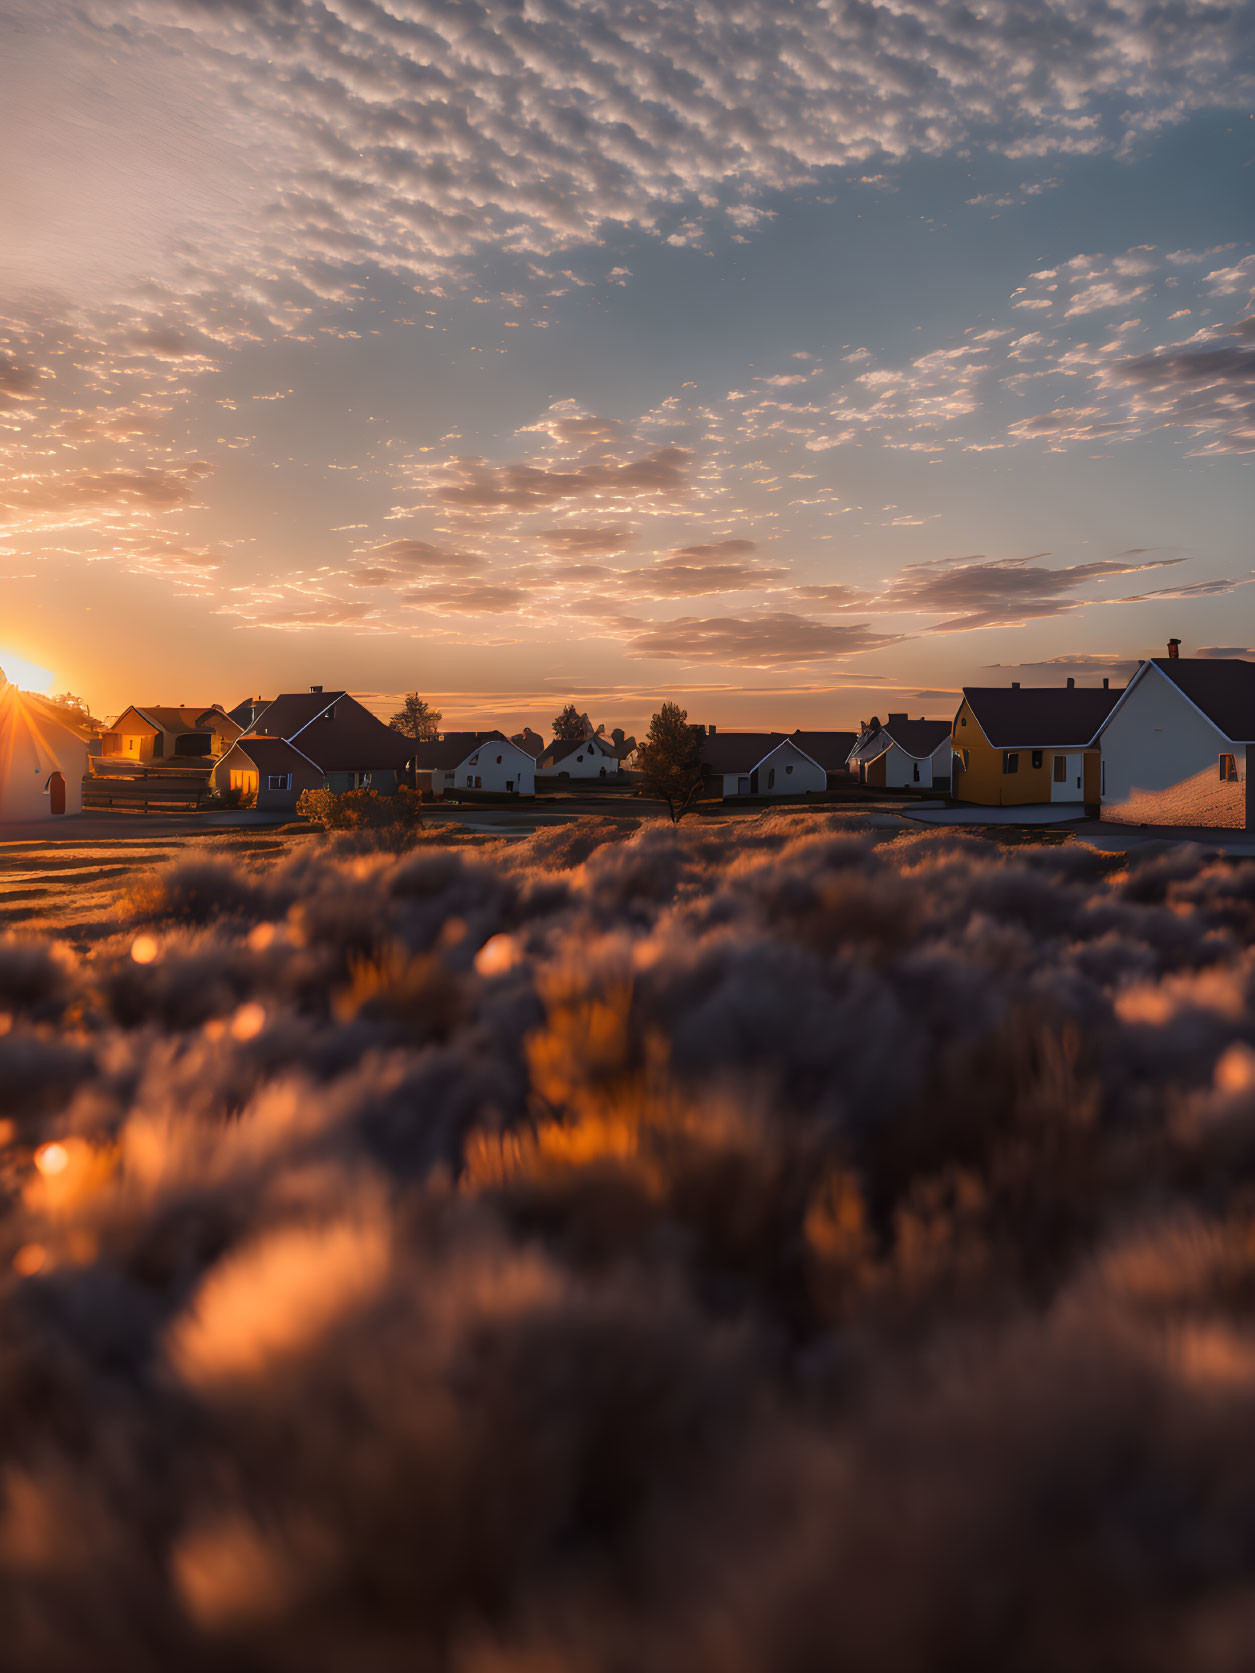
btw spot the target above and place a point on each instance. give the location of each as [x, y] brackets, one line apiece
[159, 733]
[1019, 745]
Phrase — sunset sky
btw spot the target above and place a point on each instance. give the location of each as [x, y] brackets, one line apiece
[796, 358]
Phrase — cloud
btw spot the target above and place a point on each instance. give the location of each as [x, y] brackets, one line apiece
[999, 592]
[148, 488]
[832, 598]
[475, 485]
[409, 558]
[1077, 664]
[473, 599]
[1206, 385]
[770, 639]
[587, 541]
[718, 566]
[1247, 652]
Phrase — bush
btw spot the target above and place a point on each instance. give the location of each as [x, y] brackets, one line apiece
[358, 810]
[230, 799]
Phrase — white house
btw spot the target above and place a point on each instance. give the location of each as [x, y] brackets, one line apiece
[43, 757]
[483, 761]
[577, 758]
[759, 764]
[904, 754]
[1179, 746]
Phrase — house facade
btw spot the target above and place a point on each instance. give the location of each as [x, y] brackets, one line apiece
[1020, 745]
[588, 757]
[1179, 746]
[904, 754]
[43, 757]
[351, 747]
[156, 732]
[759, 764]
[269, 773]
[829, 750]
[483, 762]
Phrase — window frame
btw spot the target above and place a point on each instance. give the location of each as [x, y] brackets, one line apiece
[1228, 769]
[1010, 762]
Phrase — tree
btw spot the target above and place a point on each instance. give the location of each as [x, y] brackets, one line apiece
[670, 760]
[568, 727]
[417, 719]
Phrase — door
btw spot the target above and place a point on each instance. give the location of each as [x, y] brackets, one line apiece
[1067, 778]
[56, 793]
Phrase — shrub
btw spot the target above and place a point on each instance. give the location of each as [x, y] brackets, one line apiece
[230, 799]
[357, 810]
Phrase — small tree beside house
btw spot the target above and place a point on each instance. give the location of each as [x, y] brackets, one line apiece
[417, 719]
[670, 760]
[570, 725]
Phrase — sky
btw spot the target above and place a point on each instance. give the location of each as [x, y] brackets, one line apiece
[797, 359]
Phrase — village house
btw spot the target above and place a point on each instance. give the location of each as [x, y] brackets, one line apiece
[903, 754]
[759, 764]
[830, 750]
[1178, 747]
[590, 757]
[43, 756]
[486, 762]
[247, 713]
[1020, 745]
[352, 748]
[268, 773]
[157, 732]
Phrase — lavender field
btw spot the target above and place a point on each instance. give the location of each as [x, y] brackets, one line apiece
[751, 1248]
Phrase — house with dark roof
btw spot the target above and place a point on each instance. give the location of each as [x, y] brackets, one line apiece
[268, 773]
[484, 762]
[351, 747]
[590, 757]
[248, 712]
[1020, 745]
[759, 764]
[831, 750]
[903, 754]
[189, 734]
[1178, 748]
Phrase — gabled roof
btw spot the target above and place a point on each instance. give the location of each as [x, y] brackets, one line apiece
[1222, 687]
[167, 719]
[738, 752]
[352, 740]
[829, 750]
[560, 748]
[250, 710]
[1040, 717]
[450, 749]
[919, 738]
[274, 755]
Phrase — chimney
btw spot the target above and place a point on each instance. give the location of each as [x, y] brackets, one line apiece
[1071, 683]
[1106, 685]
[1015, 685]
[710, 731]
[894, 719]
[315, 688]
[1174, 649]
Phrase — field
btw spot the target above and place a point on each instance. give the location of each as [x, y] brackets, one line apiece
[787, 1242]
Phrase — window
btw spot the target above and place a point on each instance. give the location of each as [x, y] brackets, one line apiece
[479, 783]
[498, 760]
[1036, 760]
[789, 768]
[771, 779]
[1061, 769]
[1229, 769]
[962, 720]
[579, 757]
[470, 781]
[474, 761]
[509, 784]
[278, 781]
[915, 770]
[1010, 761]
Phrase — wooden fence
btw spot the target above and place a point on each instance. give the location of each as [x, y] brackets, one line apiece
[186, 794]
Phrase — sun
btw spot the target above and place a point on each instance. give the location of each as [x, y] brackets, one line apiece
[23, 673]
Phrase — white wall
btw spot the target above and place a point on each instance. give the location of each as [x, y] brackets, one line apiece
[591, 760]
[795, 774]
[1161, 762]
[32, 747]
[494, 764]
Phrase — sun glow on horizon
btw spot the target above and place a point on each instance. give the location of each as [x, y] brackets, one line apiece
[23, 673]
